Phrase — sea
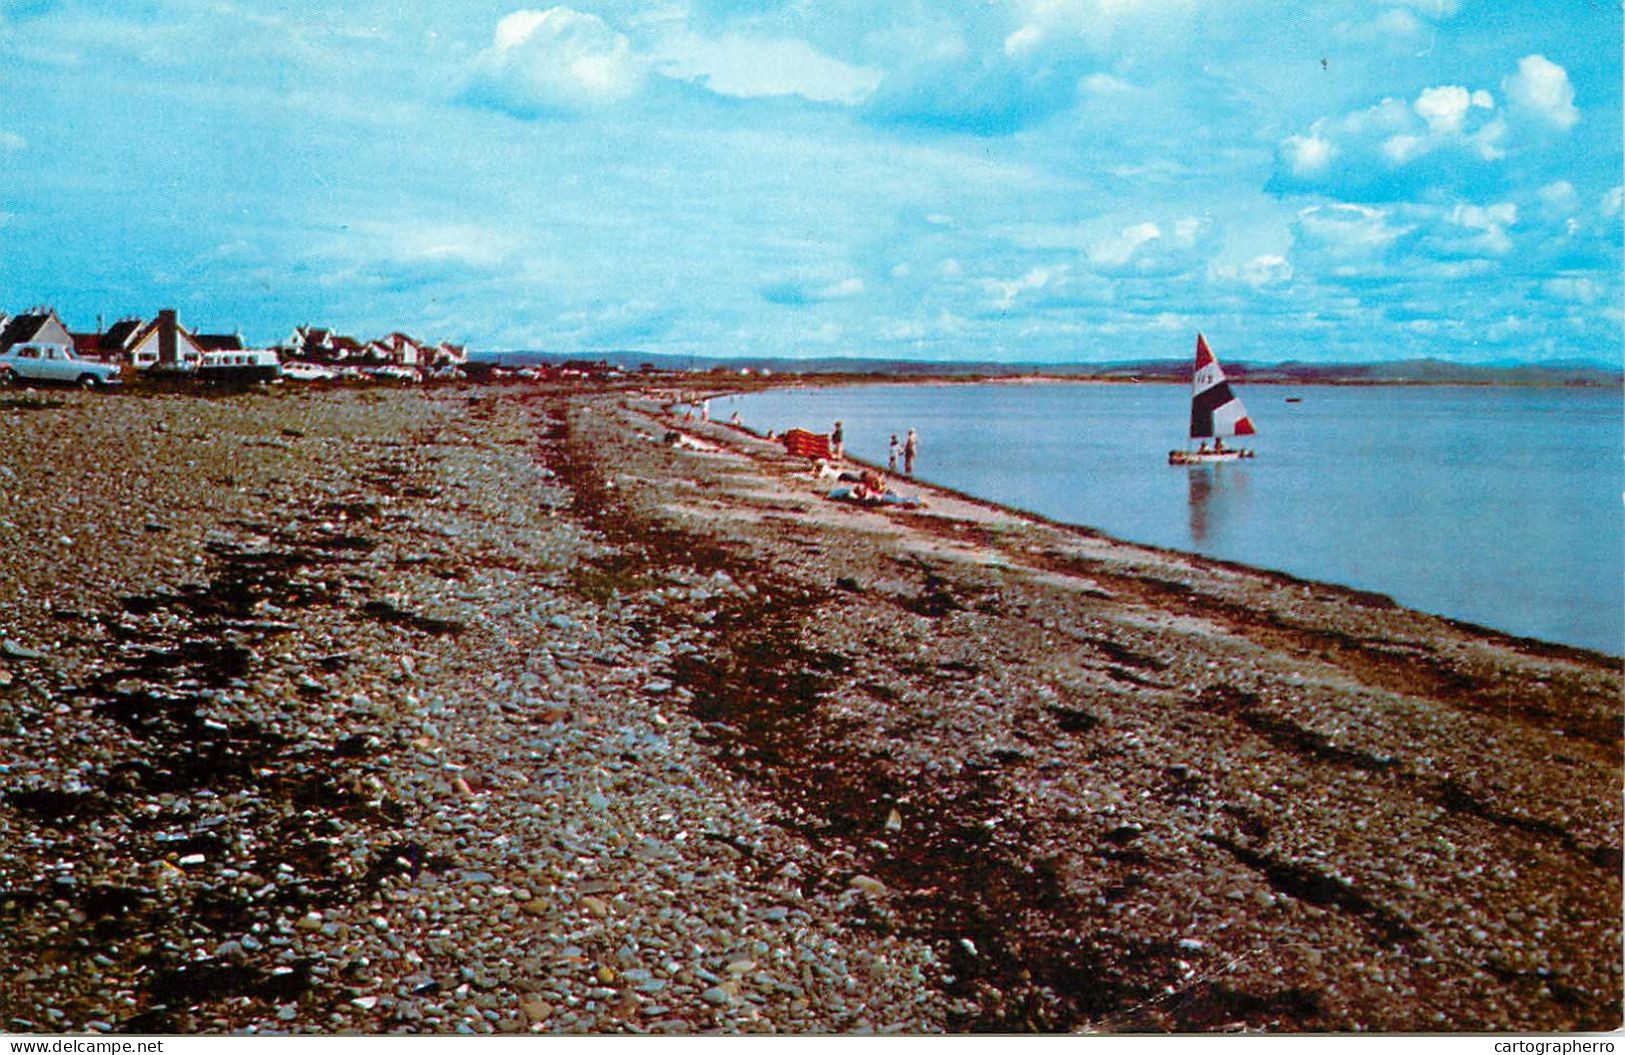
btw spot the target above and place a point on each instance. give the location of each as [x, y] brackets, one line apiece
[1500, 506]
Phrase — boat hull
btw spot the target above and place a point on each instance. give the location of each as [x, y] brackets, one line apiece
[1206, 457]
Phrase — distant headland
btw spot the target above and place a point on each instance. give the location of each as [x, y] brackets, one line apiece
[1580, 373]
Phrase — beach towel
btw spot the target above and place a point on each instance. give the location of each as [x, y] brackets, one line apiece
[806, 444]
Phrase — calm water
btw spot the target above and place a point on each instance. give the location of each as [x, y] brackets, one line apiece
[1499, 506]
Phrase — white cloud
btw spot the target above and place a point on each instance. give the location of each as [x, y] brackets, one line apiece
[1174, 247]
[411, 242]
[1434, 9]
[555, 61]
[1104, 84]
[1188, 230]
[1489, 222]
[1559, 193]
[1347, 234]
[1541, 89]
[1400, 149]
[1612, 201]
[1023, 41]
[1116, 250]
[811, 288]
[1443, 108]
[1580, 290]
[12, 141]
[1507, 328]
[750, 67]
[1309, 155]
[1398, 22]
[1006, 291]
[1485, 217]
[1267, 269]
[1558, 201]
[1392, 134]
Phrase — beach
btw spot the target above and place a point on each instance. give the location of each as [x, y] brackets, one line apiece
[533, 708]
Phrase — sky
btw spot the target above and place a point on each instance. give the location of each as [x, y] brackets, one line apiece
[1019, 180]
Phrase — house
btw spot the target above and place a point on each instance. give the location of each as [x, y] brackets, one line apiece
[163, 344]
[448, 354]
[403, 350]
[309, 343]
[113, 345]
[219, 342]
[35, 327]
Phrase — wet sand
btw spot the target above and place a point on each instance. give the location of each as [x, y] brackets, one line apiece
[490, 709]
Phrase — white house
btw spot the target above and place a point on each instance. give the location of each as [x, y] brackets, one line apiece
[164, 344]
[35, 327]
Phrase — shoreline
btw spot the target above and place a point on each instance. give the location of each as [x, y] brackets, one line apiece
[483, 709]
[1525, 639]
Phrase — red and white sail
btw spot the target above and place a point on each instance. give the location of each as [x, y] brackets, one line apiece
[1215, 410]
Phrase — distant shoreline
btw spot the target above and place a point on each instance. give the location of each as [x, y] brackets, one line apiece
[1555, 374]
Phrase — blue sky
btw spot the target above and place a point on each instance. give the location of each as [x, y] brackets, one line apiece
[1034, 180]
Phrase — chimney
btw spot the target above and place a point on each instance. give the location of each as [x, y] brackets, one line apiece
[166, 335]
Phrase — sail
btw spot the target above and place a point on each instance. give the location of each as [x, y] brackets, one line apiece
[1215, 410]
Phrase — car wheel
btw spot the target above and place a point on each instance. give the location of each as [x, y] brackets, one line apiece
[87, 381]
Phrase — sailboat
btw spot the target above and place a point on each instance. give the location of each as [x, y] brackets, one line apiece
[1216, 412]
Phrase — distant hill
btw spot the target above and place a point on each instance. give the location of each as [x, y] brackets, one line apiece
[1573, 372]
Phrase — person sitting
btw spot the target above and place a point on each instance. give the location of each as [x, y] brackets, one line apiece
[1203, 448]
[1218, 445]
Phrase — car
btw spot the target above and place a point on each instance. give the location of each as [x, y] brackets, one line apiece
[394, 373]
[55, 363]
[297, 371]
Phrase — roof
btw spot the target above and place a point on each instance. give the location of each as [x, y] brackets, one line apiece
[148, 328]
[117, 337]
[218, 342]
[86, 343]
[22, 328]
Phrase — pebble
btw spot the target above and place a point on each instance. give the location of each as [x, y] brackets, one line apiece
[19, 651]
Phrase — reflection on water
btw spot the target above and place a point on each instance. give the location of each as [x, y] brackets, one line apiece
[1213, 493]
[1201, 488]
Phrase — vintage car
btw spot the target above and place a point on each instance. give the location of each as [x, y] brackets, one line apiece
[299, 371]
[23, 363]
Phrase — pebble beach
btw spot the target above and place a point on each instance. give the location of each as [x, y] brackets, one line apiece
[532, 709]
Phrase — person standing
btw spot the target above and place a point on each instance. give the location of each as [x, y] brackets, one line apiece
[911, 448]
[891, 454]
[705, 409]
[835, 440]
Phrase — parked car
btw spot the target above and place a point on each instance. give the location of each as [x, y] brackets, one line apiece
[296, 371]
[54, 363]
[394, 373]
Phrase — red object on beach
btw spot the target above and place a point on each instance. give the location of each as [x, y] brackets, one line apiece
[806, 444]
